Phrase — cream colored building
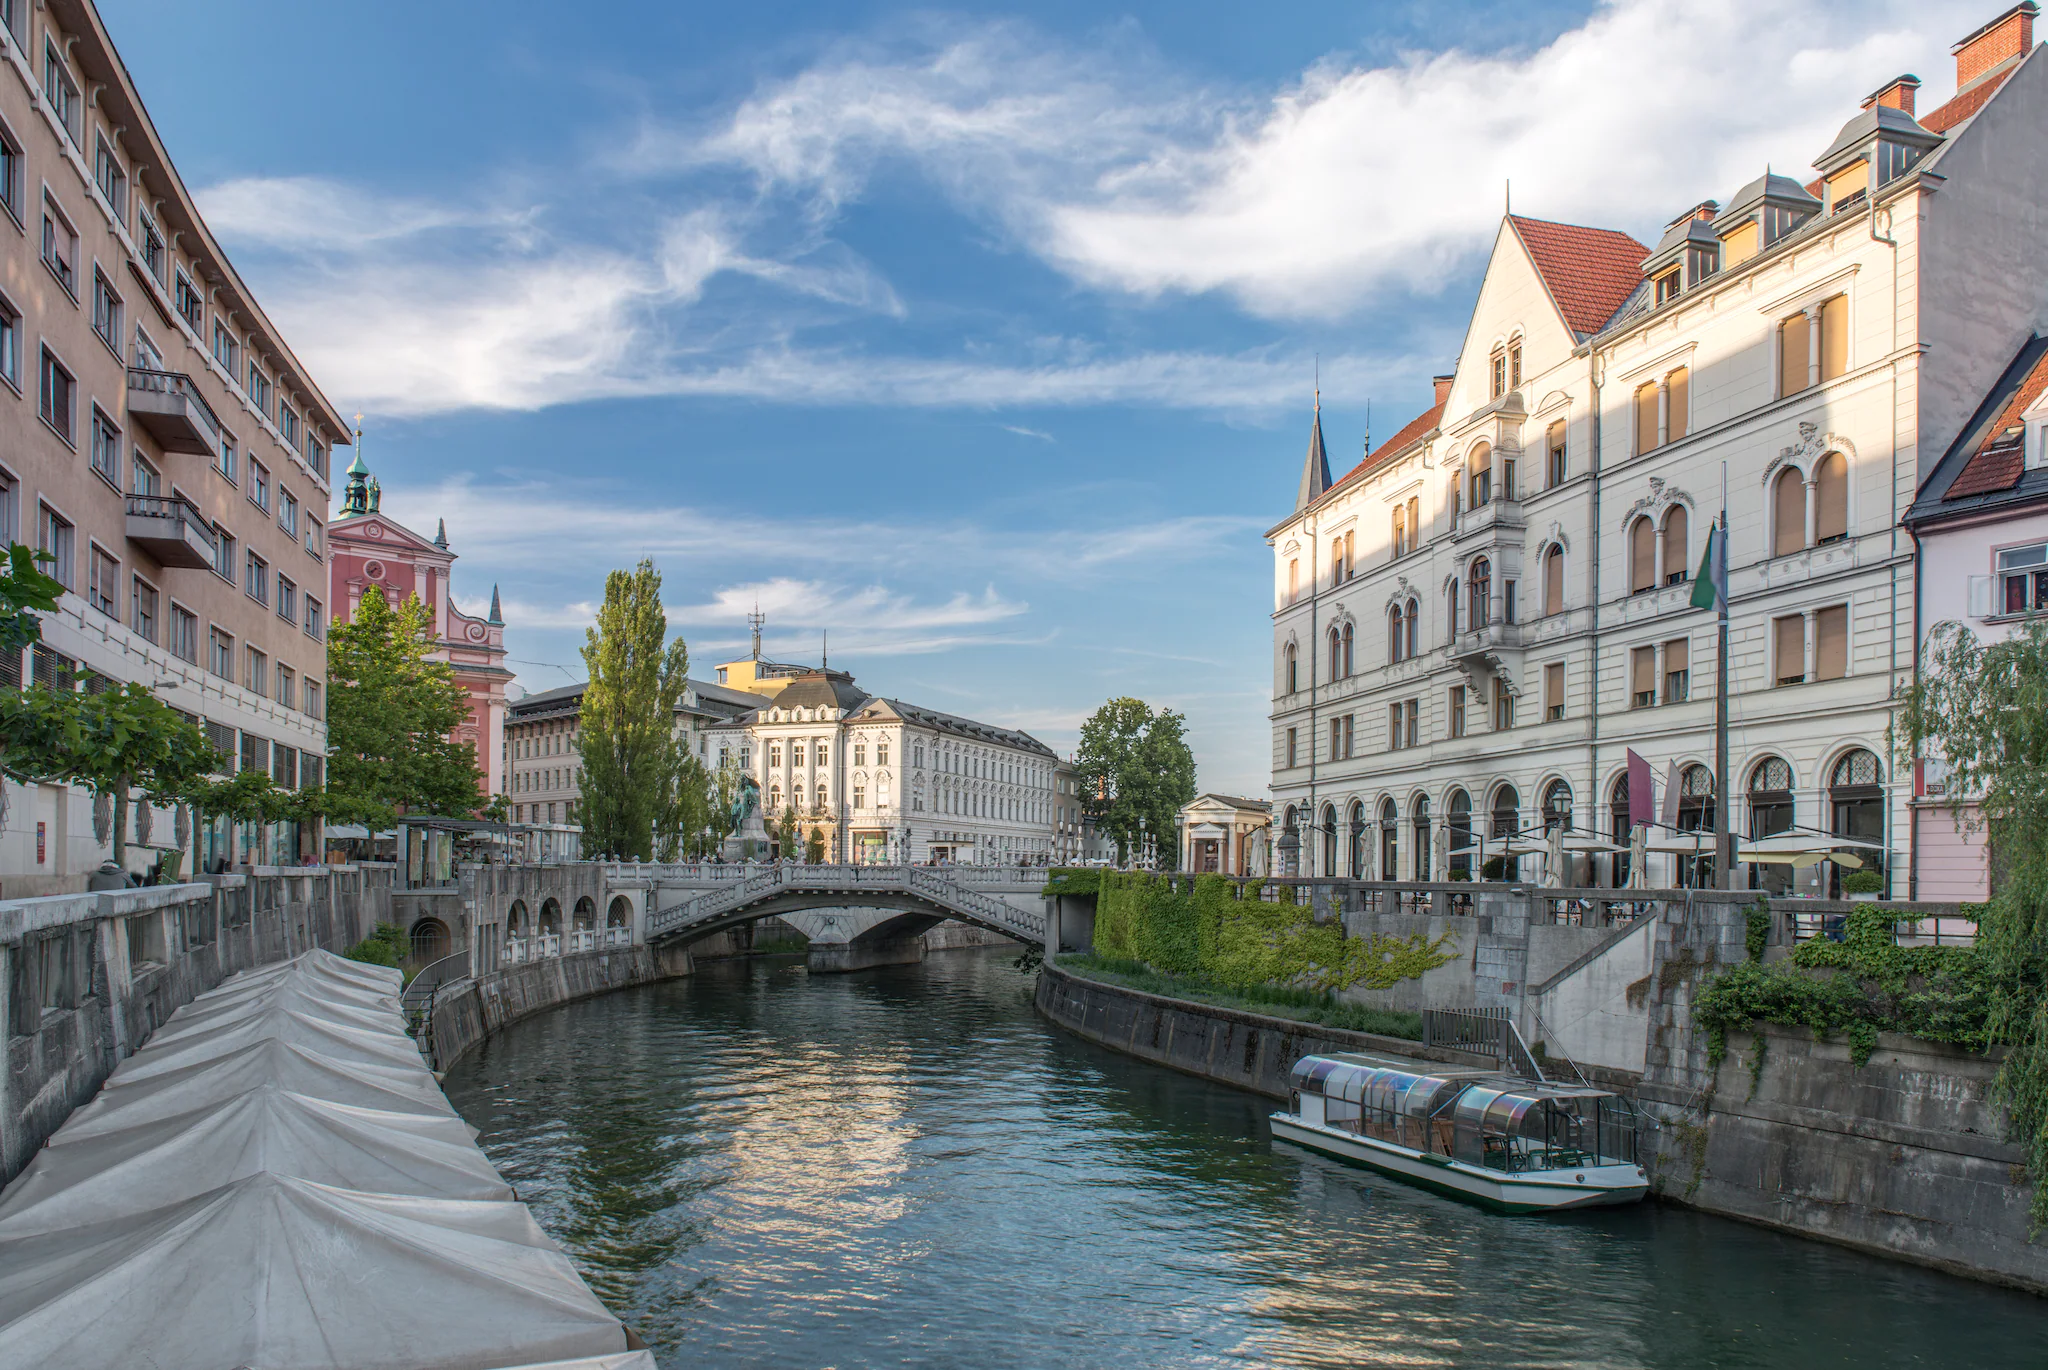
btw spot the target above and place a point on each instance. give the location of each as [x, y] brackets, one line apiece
[158, 435]
[1223, 834]
[1475, 624]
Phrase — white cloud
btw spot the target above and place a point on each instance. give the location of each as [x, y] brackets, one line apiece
[1023, 432]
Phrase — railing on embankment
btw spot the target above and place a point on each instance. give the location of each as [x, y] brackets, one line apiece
[90, 976]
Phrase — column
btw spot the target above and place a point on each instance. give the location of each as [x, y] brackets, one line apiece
[1812, 313]
[1809, 662]
[1663, 411]
[1657, 656]
[1656, 559]
[1812, 515]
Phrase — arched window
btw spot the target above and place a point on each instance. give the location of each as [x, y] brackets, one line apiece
[1677, 550]
[1350, 640]
[821, 796]
[1481, 580]
[1460, 818]
[1329, 841]
[1358, 841]
[774, 798]
[1770, 812]
[1856, 805]
[1788, 513]
[1619, 828]
[1696, 799]
[1553, 580]
[1557, 806]
[1831, 498]
[1390, 841]
[1394, 638]
[1293, 669]
[1507, 806]
[1646, 418]
[1336, 652]
[1400, 531]
[1479, 476]
[1451, 611]
[1642, 556]
[1424, 857]
[1414, 615]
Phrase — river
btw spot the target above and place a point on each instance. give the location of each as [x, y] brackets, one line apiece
[908, 1167]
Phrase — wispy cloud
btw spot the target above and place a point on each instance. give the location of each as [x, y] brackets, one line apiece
[1023, 432]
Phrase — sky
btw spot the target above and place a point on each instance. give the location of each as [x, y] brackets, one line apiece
[984, 338]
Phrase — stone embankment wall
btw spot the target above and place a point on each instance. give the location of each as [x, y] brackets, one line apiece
[86, 978]
[471, 1010]
[1245, 1050]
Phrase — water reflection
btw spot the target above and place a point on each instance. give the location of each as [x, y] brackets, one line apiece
[906, 1167]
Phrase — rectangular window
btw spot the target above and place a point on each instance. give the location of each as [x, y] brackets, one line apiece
[312, 536]
[256, 675]
[1646, 418]
[287, 600]
[10, 508]
[288, 513]
[60, 246]
[316, 625]
[143, 478]
[60, 90]
[823, 752]
[227, 465]
[224, 553]
[1667, 286]
[1792, 358]
[1741, 244]
[226, 350]
[220, 654]
[106, 447]
[313, 699]
[153, 255]
[1553, 691]
[1507, 601]
[1677, 670]
[1831, 643]
[106, 312]
[1293, 754]
[1412, 723]
[1677, 403]
[259, 485]
[1503, 705]
[1500, 374]
[108, 176]
[796, 753]
[1514, 366]
[1457, 711]
[288, 424]
[1556, 470]
[55, 535]
[257, 582]
[1642, 677]
[881, 753]
[10, 345]
[258, 389]
[100, 591]
[11, 174]
[287, 687]
[1834, 337]
[1788, 649]
[184, 639]
[142, 610]
[57, 396]
[191, 308]
[255, 752]
[2023, 578]
[316, 454]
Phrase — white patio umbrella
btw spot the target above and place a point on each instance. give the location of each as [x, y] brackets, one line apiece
[1639, 857]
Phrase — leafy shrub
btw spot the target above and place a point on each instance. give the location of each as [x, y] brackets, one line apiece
[387, 946]
[1863, 882]
[1275, 1001]
[1078, 882]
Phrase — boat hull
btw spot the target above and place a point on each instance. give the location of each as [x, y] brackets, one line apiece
[1541, 1192]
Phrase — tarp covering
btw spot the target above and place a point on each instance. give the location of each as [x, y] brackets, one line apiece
[277, 1181]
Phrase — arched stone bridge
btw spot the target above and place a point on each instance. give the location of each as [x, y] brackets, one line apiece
[871, 913]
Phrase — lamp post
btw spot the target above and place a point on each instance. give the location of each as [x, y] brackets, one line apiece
[1290, 849]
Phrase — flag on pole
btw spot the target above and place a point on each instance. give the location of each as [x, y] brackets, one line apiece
[1642, 792]
[1710, 586]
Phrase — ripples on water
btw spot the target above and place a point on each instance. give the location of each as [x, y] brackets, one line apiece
[908, 1167]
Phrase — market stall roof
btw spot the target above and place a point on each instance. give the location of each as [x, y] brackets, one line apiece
[138, 1094]
[224, 1279]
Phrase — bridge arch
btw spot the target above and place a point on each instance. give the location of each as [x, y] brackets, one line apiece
[550, 915]
[585, 915]
[620, 914]
[920, 895]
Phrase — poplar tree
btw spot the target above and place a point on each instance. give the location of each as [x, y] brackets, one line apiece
[391, 712]
[1134, 763]
[637, 771]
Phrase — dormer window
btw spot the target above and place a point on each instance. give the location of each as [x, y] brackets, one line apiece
[1848, 186]
[1742, 243]
[1895, 160]
[1668, 286]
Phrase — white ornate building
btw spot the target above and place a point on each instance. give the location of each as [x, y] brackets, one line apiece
[1477, 622]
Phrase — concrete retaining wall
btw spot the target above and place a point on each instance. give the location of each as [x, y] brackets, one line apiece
[1244, 1050]
[474, 1009]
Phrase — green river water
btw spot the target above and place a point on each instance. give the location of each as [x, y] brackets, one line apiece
[907, 1167]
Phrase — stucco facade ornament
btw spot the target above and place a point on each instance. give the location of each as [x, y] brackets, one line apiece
[1813, 444]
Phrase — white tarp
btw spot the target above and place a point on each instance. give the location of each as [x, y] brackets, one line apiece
[143, 1089]
[630, 1360]
[97, 1174]
[259, 1023]
[276, 1273]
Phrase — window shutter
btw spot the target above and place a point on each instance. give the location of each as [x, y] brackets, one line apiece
[1681, 391]
[1646, 418]
[1741, 245]
[1553, 685]
[1553, 582]
[1677, 544]
[1677, 655]
[1834, 337]
[1788, 513]
[1642, 556]
[1831, 497]
[1831, 648]
[1414, 522]
[1642, 670]
[1980, 597]
[1792, 355]
[1789, 650]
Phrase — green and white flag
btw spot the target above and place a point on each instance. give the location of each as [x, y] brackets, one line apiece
[1710, 586]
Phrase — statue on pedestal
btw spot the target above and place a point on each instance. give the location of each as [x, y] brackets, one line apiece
[749, 838]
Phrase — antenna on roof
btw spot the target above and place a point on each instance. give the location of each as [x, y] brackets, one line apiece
[754, 622]
[1368, 428]
[824, 642]
[1507, 196]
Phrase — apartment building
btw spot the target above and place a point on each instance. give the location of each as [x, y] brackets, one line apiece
[1475, 624]
[160, 440]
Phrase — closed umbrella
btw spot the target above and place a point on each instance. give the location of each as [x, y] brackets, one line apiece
[1639, 857]
[1553, 857]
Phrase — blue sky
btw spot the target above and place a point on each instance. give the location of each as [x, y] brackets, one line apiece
[983, 337]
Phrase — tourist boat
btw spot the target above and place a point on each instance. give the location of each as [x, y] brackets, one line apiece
[1511, 1144]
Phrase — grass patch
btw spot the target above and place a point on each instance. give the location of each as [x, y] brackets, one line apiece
[1275, 1001]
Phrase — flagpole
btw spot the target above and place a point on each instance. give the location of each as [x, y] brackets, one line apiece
[1724, 847]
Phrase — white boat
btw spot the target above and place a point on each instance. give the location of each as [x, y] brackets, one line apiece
[1510, 1144]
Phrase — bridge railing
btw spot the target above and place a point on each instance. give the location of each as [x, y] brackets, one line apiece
[940, 885]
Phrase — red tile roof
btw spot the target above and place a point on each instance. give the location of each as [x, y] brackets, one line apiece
[1965, 104]
[1588, 271]
[1996, 465]
[1415, 429]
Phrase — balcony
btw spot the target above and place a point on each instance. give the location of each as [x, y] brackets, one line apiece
[1495, 648]
[1497, 513]
[169, 406]
[170, 529]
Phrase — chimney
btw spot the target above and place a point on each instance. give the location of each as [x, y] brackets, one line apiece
[2008, 36]
[1705, 210]
[1898, 94]
[1443, 388]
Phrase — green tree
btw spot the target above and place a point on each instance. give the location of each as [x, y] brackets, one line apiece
[116, 743]
[725, 785]
[1984, 710]
[1134, 763]
[25, 592]
[785, 833]
[390, 715]
[636, 774]
[814, 845]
